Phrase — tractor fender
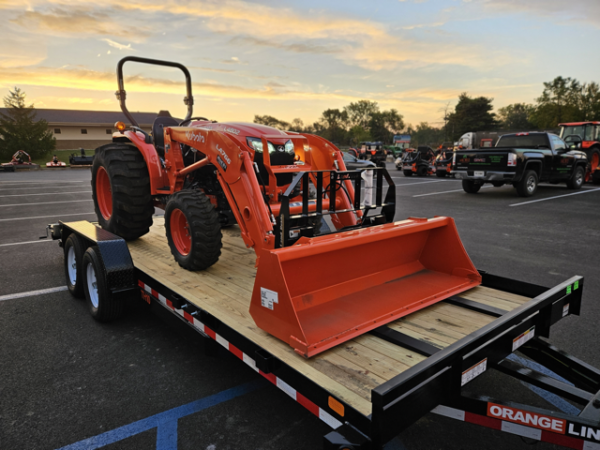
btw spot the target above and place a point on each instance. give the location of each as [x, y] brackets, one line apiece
[158, 175]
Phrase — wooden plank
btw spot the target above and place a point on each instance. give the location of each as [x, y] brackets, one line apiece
[502, 295]
[496, 302]
[395, 352]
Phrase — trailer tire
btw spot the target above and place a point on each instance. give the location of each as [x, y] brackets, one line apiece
[74, 249]
[121, 190]
[407, 173]
[470, 187]
[103, 307]
[193, 230]
[527, 186]
[578, 178]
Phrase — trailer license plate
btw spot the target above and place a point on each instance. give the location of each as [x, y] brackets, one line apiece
[480, 173]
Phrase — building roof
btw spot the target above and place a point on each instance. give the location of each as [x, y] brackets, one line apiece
[78, 117]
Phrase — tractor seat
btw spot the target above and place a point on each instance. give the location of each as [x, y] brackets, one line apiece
[158, 134]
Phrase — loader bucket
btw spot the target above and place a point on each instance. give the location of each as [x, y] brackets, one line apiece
[326, 290]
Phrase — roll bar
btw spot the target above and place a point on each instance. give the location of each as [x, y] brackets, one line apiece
[121, 94]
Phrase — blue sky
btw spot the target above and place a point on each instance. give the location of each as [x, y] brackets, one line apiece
[296, 58]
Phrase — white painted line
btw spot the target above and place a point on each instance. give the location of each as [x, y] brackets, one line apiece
[421, 182]
[47, 193]
[46, 217]
[32, 188]
[3, 183]
[446, 192]
[47, 203]
[26, 242]
[32, 293]
[558, 196]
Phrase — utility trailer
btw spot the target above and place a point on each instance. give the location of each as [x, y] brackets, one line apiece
[372, 387]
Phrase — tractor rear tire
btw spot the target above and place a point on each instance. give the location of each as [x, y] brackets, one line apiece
[440, 173]
[421, 171]
[596, 177]
[407, 173]
[578, 178]
[121, 190]
[470, 187]
[74, 249]
[193, 230]
[528, 184]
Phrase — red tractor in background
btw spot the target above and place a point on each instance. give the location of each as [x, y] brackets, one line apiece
[278, 187]
[585, 136]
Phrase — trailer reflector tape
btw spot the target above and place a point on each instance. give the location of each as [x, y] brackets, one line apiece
[520, 430]
[449, 412]
[285, 387]
[473, 372]
[524, 337]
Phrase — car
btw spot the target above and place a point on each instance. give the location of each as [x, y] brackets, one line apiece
[353, 163]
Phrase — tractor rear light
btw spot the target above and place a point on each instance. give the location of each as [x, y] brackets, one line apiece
[120, 126]
[512, 160]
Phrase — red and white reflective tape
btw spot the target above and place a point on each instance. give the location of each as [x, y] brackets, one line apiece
[289, 390]
[514, 428]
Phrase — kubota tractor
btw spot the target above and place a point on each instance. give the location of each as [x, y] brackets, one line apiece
[278, 186]
[585, 136]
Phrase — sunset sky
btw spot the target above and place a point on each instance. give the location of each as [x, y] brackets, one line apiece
[293, 58]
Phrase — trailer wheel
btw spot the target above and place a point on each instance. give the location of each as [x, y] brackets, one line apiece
[74, 250]
[421, 171]
[407, 173]
[193, 230]
[103, 306]
[577, 180]
[470, 187]
[121, 190]
[528, 184]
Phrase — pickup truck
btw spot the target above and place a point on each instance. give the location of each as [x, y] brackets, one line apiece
[523, 160]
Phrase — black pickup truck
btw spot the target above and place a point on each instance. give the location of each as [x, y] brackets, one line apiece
[523, 160]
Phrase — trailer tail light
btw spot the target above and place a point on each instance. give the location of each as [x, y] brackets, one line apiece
[512, 160]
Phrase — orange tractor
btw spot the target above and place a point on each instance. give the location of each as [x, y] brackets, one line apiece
[585, 136]
[279, 187]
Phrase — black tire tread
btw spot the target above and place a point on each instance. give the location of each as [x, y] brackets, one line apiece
[130, 182]
[571, 181]
[79, 248]
[522, 185]
[205, 228]
[109, 308]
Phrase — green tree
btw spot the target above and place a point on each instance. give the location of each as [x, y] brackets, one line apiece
[589, 102]
[360, 112]
[271, 122]
[471, 114]
[334, 124]
[384, 125]
[558, 103]
[358, 134]
[425, 134]
[20, 131]
[516, 117]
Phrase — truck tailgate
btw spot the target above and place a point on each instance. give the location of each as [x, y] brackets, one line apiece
[479, 159]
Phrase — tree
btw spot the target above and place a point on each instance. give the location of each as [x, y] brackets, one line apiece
[360, 113]
[384, 125]
[334, 124]
[297, 125]
[20, 131]
[516, 117]
[425, 134]
[271, 122]
[558, 103]
[589, 103]
[471, 114]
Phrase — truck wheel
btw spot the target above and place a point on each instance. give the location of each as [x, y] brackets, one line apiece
[121, 190]
[470, 187]
[407, 173]
[421, 171]
[103, 306]
[576, 181]
[74, 250]
[193, 230]
[528, 184]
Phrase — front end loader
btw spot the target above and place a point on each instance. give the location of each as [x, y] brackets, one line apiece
[283, 189]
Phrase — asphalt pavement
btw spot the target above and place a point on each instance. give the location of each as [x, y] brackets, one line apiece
[70, 382]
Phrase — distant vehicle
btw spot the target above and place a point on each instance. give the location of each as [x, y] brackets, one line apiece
[586, 136]
[419, 162]
[353, 163]
[402, 141]
[479, 139]
[81, 160]
[523, 160]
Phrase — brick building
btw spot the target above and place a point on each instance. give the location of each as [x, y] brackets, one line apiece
[74, 129]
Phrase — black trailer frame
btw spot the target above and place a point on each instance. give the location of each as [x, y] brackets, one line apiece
[433, 385]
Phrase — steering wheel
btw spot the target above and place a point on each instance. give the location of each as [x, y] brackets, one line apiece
[573, 141]
[192, 118]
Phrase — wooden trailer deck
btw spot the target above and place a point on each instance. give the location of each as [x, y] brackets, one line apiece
[348, 371]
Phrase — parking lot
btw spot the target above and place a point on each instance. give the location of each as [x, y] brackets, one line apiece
[70, 382]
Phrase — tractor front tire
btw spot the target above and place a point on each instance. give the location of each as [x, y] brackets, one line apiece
[193, 230]
[121, 191]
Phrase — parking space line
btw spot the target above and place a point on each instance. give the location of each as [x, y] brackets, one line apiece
[46, 193]
[32, 293]
[447, 192]
[46, 217]
[558, 196]
[25, 242]
[420, 182]
[46, 203]
[166, 422]
[4, 183]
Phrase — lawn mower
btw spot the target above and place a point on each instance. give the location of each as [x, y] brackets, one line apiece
[278, 187]
[55, 163]
[419, 161]
[18, 161]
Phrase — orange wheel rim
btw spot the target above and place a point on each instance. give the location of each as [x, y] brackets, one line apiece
[180, 232]
[103, 193]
